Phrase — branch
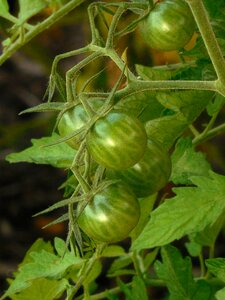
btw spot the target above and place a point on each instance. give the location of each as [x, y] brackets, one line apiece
[39, 28]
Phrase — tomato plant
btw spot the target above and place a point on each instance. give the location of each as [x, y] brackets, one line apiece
[149, 174]
[115, 173]
[111, 214]
[117, 141]
[169, 25]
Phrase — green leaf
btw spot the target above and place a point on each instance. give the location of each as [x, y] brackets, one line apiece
[189, 103]
[146, 206]
[164, 72]
[215, 8]
[145, 106]
[4, 7]
[176, 272]
[45, 107]
[217, 267]
[118, 264]
[137, 291]
[62, 218]
[122, 272]
[30, 8]
[94, 273]
[219, 27]
[187, 163]
[208, 236]
[59, 155]
[190, 211]
[60, 246]
[43, 265]
[113, 251]
[4, 10]
[150, 257]
[194, 249]
[215, 105]
[166, 129]
[220, 295]
[43, 289]
[37, 246]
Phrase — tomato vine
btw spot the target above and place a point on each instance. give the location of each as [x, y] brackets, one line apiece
[119, 161]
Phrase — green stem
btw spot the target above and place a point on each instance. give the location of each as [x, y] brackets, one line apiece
[209, 125]
[155, 282]
[194, 130]
[71, 225]
[202, 264]
[75, 168]
[71, 73]
[89, 265]
[211, 255]
[138, 86]
[39, 28]
[112, 28]
[95, 37]
[120, 63]
[87, 107]
[104, 294]
[210, 134]
[138, 264]
[212, 251]
[117, 290]
[212, 46]
[66, 55]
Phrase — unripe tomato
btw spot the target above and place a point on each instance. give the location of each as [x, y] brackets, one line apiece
[169, 26]
[74, 119]
[148, 175]
[111, 215]
[117, 140]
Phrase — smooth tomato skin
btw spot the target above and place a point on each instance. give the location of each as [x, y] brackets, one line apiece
[74, 119]
[169, 26]
[117, 140]
[111, 215]
[150, 174]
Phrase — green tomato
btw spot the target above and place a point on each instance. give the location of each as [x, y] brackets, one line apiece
[117, 141]
[111, 215]
[169, 26]
[74, 119]
[150, 174]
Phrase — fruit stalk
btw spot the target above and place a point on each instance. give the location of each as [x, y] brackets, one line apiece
[209, 38]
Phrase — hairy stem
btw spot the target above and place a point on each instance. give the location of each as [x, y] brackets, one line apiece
[212, 46]
[138, 86]
[112, 28]
[39, 28]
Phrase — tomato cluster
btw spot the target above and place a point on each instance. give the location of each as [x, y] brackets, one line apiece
[119, 143]
[169, 25]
